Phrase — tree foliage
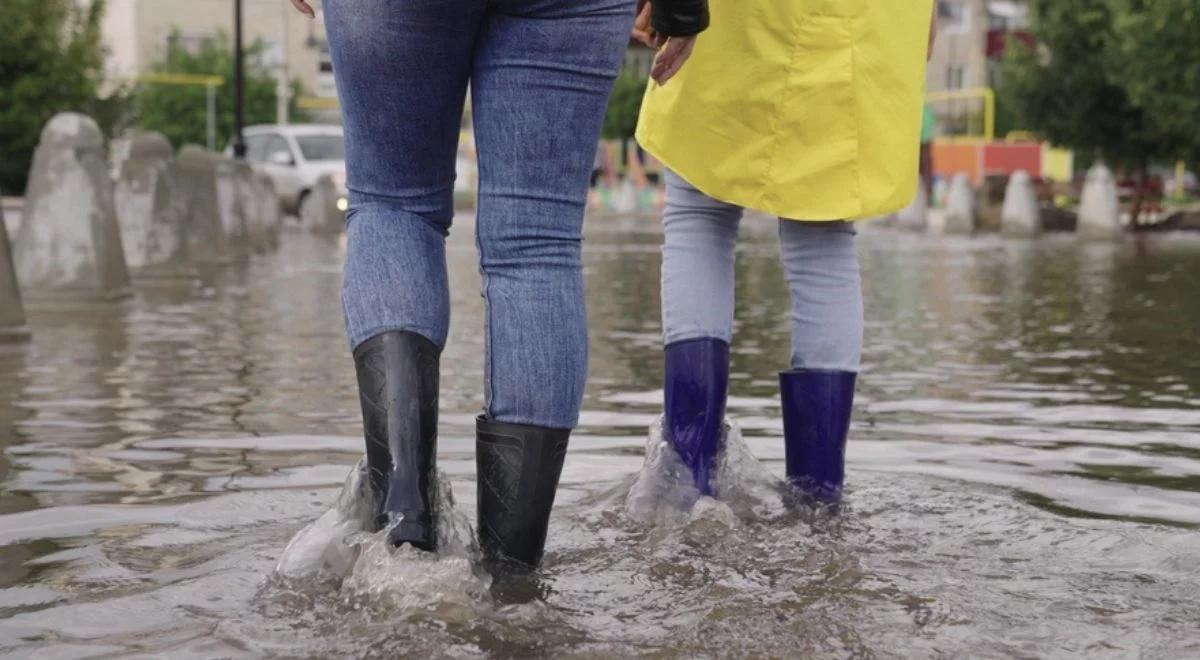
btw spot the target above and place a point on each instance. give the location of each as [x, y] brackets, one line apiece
[1156, 55]
[51, 61]
[180, 112]
[625, 104]
[1113, 79]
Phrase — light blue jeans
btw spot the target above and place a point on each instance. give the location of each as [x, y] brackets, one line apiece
[819, 262]
[540, 73]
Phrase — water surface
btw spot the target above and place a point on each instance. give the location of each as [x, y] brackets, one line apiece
[1024, 469]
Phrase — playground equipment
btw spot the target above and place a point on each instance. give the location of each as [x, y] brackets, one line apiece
[979, 155]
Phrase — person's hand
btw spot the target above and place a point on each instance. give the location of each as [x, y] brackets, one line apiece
[671, 57]
[643, 31]
[304, 8]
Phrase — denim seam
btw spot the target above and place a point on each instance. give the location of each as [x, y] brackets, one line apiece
[538, 195]
[687, 335]
[360, 337]
[529, 421]
[695, 339]
[595, 72]
[409, 194]
[487, 328]
[817, 370]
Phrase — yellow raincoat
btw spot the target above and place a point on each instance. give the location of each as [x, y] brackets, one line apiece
[805, 109]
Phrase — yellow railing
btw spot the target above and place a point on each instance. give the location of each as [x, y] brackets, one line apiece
[989, 105]
[210, 84]
[317, 103]
[187, 79]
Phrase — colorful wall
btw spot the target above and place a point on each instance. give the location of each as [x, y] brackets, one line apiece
[979, 158]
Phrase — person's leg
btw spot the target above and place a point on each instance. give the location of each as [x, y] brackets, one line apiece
[543, 70]
[821, 265]
[699, 237]
[402, 71]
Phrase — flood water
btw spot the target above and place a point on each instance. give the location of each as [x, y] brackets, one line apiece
[1024, 470]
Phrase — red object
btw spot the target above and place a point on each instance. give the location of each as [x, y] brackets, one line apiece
[997, 41]
[978, 159]
[1005, 158]
[1127, 188]
[950, 158]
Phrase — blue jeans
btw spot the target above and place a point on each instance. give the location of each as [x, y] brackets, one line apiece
[819, 262]
[540, 73]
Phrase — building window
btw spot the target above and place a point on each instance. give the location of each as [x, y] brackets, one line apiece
[191, 42]
[954, 16]
[269, 56]
[1007, 15]
[326, 84]
[954, 77]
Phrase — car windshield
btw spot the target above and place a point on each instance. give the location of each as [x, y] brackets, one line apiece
[322, 147]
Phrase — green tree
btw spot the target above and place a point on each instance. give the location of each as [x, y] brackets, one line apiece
[625, 104]
[51, 61]
[180, 112]
[1156, 56]
[1065, 90]
[1113, 79]
[624, 107]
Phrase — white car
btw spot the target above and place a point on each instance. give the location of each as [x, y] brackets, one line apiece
[295, 156]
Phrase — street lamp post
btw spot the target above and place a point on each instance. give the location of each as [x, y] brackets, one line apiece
[239, 85]
[282, 89]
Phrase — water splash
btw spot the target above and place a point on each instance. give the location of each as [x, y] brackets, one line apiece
[369, 573]
[405, 580]
[322, 550]
[663, 493]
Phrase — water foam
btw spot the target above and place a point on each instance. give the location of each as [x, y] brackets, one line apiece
[663, 493]
[368, 572]
[322, 550]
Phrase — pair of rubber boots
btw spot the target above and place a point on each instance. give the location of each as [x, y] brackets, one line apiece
[518, 465]
[816, 418]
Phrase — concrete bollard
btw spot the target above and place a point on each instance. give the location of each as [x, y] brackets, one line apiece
[12, 311]
[915, 216]
[1099, 207]
[989, 203]
[148, 205]
[233, 196]
[269, 209]
[247, 194]
[259, 207]
[960, 207]
[1021, 214]
[625, 198]
[196, 176]
[319, 212]
[118, 153]
[69, 242]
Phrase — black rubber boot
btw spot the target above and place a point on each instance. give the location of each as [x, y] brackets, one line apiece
[518, 468]
[398, 388]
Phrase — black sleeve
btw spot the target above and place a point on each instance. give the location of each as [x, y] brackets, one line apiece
[679, 18]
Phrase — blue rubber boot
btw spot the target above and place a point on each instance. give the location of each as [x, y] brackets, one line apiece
[696, 381]
[816, 420]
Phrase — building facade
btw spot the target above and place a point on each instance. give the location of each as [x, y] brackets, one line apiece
[137, 34]
[972, 36]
